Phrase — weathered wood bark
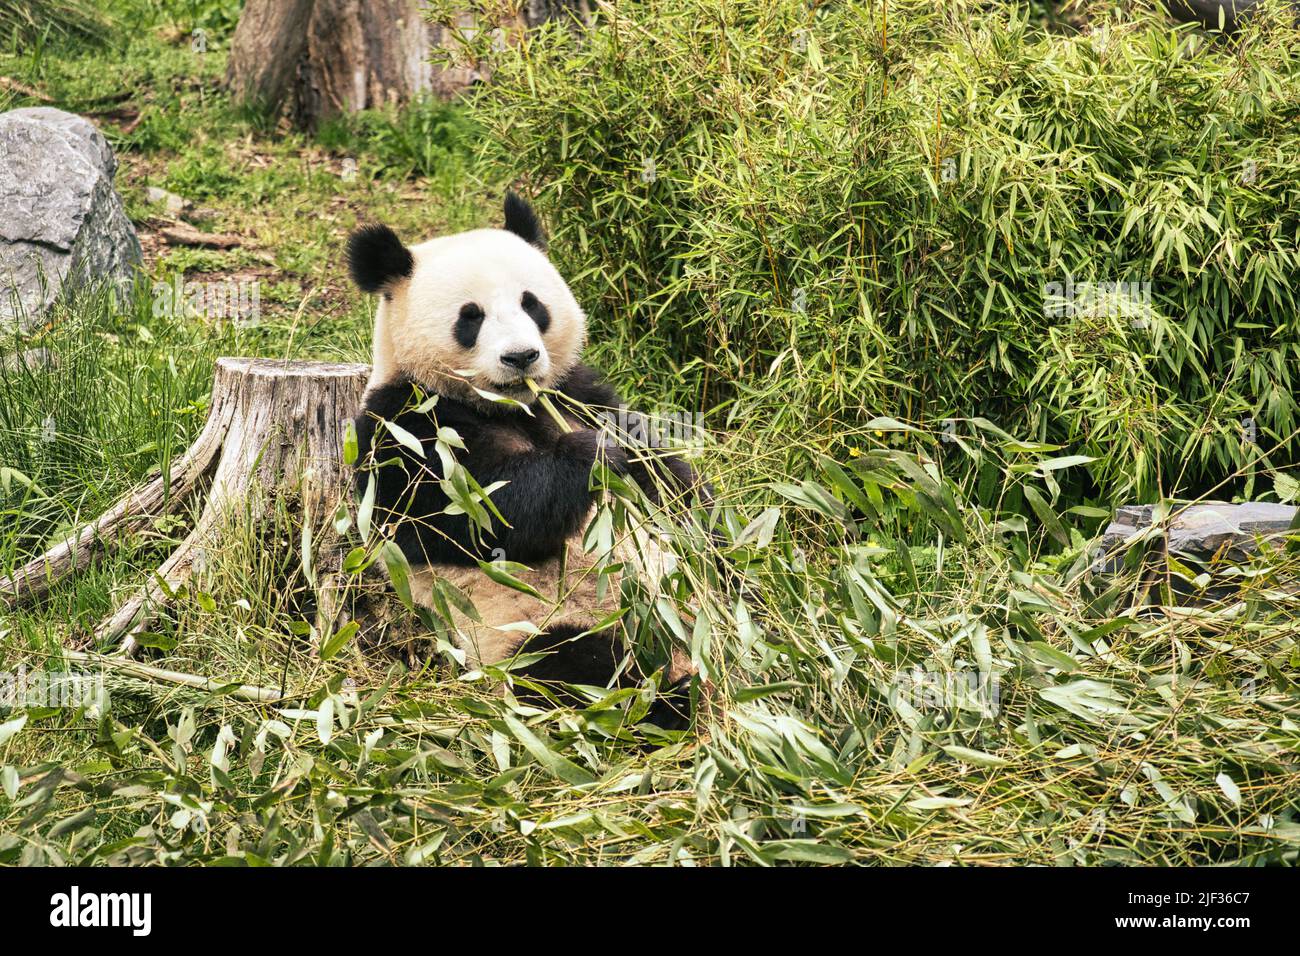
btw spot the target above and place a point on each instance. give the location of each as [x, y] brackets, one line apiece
[363, 54]
[265, 55]
[320, 58]
[274, 428]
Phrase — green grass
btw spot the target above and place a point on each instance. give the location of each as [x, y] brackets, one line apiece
[33, 23]
[908, 657]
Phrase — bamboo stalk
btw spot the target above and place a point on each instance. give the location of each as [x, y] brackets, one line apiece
[132, 668]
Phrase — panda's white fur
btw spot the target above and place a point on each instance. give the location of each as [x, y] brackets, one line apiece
[424, 289]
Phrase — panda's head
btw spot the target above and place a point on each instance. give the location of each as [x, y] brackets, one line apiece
[479, 310]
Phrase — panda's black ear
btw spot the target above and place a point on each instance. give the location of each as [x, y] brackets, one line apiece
[523, 222]
[377, 258]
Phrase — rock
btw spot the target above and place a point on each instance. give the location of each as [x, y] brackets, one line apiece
[1204, 532]
[174, 205]
[178, 207]
[32, 360]
[61, 221]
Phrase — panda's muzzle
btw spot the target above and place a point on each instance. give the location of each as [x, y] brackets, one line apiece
[522, 360]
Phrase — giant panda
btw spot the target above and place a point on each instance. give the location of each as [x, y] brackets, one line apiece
[463, 323]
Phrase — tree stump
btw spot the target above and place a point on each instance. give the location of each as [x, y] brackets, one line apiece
[321, 58]
[273, 427]
[267, 50]
[316, 59]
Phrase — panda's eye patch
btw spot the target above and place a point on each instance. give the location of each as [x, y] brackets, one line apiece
[536, 311]
[467, 325]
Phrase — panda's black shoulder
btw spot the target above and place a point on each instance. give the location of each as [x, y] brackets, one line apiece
[586, 385]
[396, 402]
[388, 400]
[400, 396]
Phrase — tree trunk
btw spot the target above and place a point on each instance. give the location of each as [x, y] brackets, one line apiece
[363, 54]
[267, 51]
[274, 429]
[319, 58]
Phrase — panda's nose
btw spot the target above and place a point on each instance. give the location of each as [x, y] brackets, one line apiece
[521, 360]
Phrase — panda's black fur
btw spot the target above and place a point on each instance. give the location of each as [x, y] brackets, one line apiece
[376, 257]
[547, 496]
[523, 221]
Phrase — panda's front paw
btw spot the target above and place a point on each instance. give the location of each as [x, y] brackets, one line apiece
[590, 445]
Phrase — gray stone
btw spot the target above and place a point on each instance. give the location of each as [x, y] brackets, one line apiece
[1207, 532]
[61, 221]
[32, 360]
[174, 205]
